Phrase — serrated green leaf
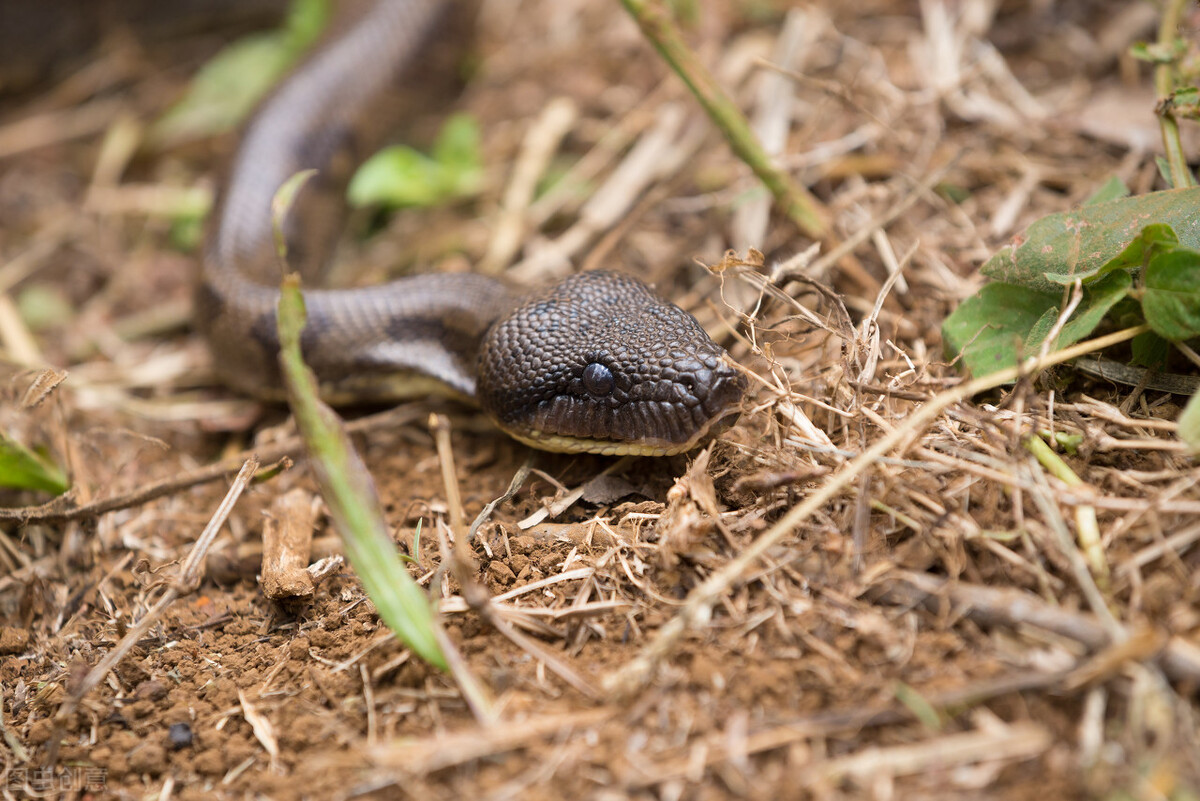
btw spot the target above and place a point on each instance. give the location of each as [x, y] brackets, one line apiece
[1079, 243]
[989, 329]
[1171, 298]
[1113, 189]
[21, 468]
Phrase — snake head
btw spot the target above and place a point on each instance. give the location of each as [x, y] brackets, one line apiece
[599, 363]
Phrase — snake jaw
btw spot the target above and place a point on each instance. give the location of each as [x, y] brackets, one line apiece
[600, 364]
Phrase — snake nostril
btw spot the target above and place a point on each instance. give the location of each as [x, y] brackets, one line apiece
[725, 391]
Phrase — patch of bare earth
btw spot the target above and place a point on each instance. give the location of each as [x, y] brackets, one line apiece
[931, 629]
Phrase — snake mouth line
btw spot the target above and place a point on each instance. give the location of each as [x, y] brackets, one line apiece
[558, 443]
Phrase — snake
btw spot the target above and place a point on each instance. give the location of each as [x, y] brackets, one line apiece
[596, 363]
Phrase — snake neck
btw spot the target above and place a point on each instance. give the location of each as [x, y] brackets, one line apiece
[317, 119]
[362, 345]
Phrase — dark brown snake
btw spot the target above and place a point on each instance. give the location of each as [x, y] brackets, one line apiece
[596, 363]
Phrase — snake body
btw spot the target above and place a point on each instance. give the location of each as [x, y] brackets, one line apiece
[596, 363]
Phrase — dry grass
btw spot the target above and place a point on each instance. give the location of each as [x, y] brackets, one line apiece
[869, 588]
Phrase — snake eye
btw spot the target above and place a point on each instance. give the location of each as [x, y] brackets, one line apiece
[597, 379]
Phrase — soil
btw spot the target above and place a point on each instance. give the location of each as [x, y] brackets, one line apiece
[1025, 667]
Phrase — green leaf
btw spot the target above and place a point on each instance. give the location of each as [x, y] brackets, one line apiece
[989, 329]
[306, 22]
[1098, 298]
[1159, 52]
[953, 192]
[342, 477]
[919, 706]
[1189, 424]
[400, 176]
[395, 177]
[350, 494]
[1171, 299]
[281, 208]
[1185, 102]
[1164, 169]
[458, 146]
[1113, 189]
[186, 234]
[1150, 351]
[1080, 243]
[1154, 238]
[230, 85]
[21, 468]
[1039, 331]
[43, 306]
[1068, 442]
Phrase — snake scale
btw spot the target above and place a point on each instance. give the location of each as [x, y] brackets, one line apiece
[595, 363]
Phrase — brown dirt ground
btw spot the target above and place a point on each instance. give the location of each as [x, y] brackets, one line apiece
[822, 671]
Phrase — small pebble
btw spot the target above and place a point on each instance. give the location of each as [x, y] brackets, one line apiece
[179, 735]
[501, 572]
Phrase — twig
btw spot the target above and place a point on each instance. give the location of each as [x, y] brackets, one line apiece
[540, 145]
[518, 480]
[1023, 740]
[1043, 498]
[57, 511]
[568, 499]
[825, 724]
[656, 24]
[287, 547]
[1180, 659]
[422, 756]
[188, 580]
[463, 569]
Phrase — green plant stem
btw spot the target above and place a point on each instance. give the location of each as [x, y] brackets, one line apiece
[343, 479]
[656, 24]
[1164, 85]
[1087, 528]
[349, 493]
